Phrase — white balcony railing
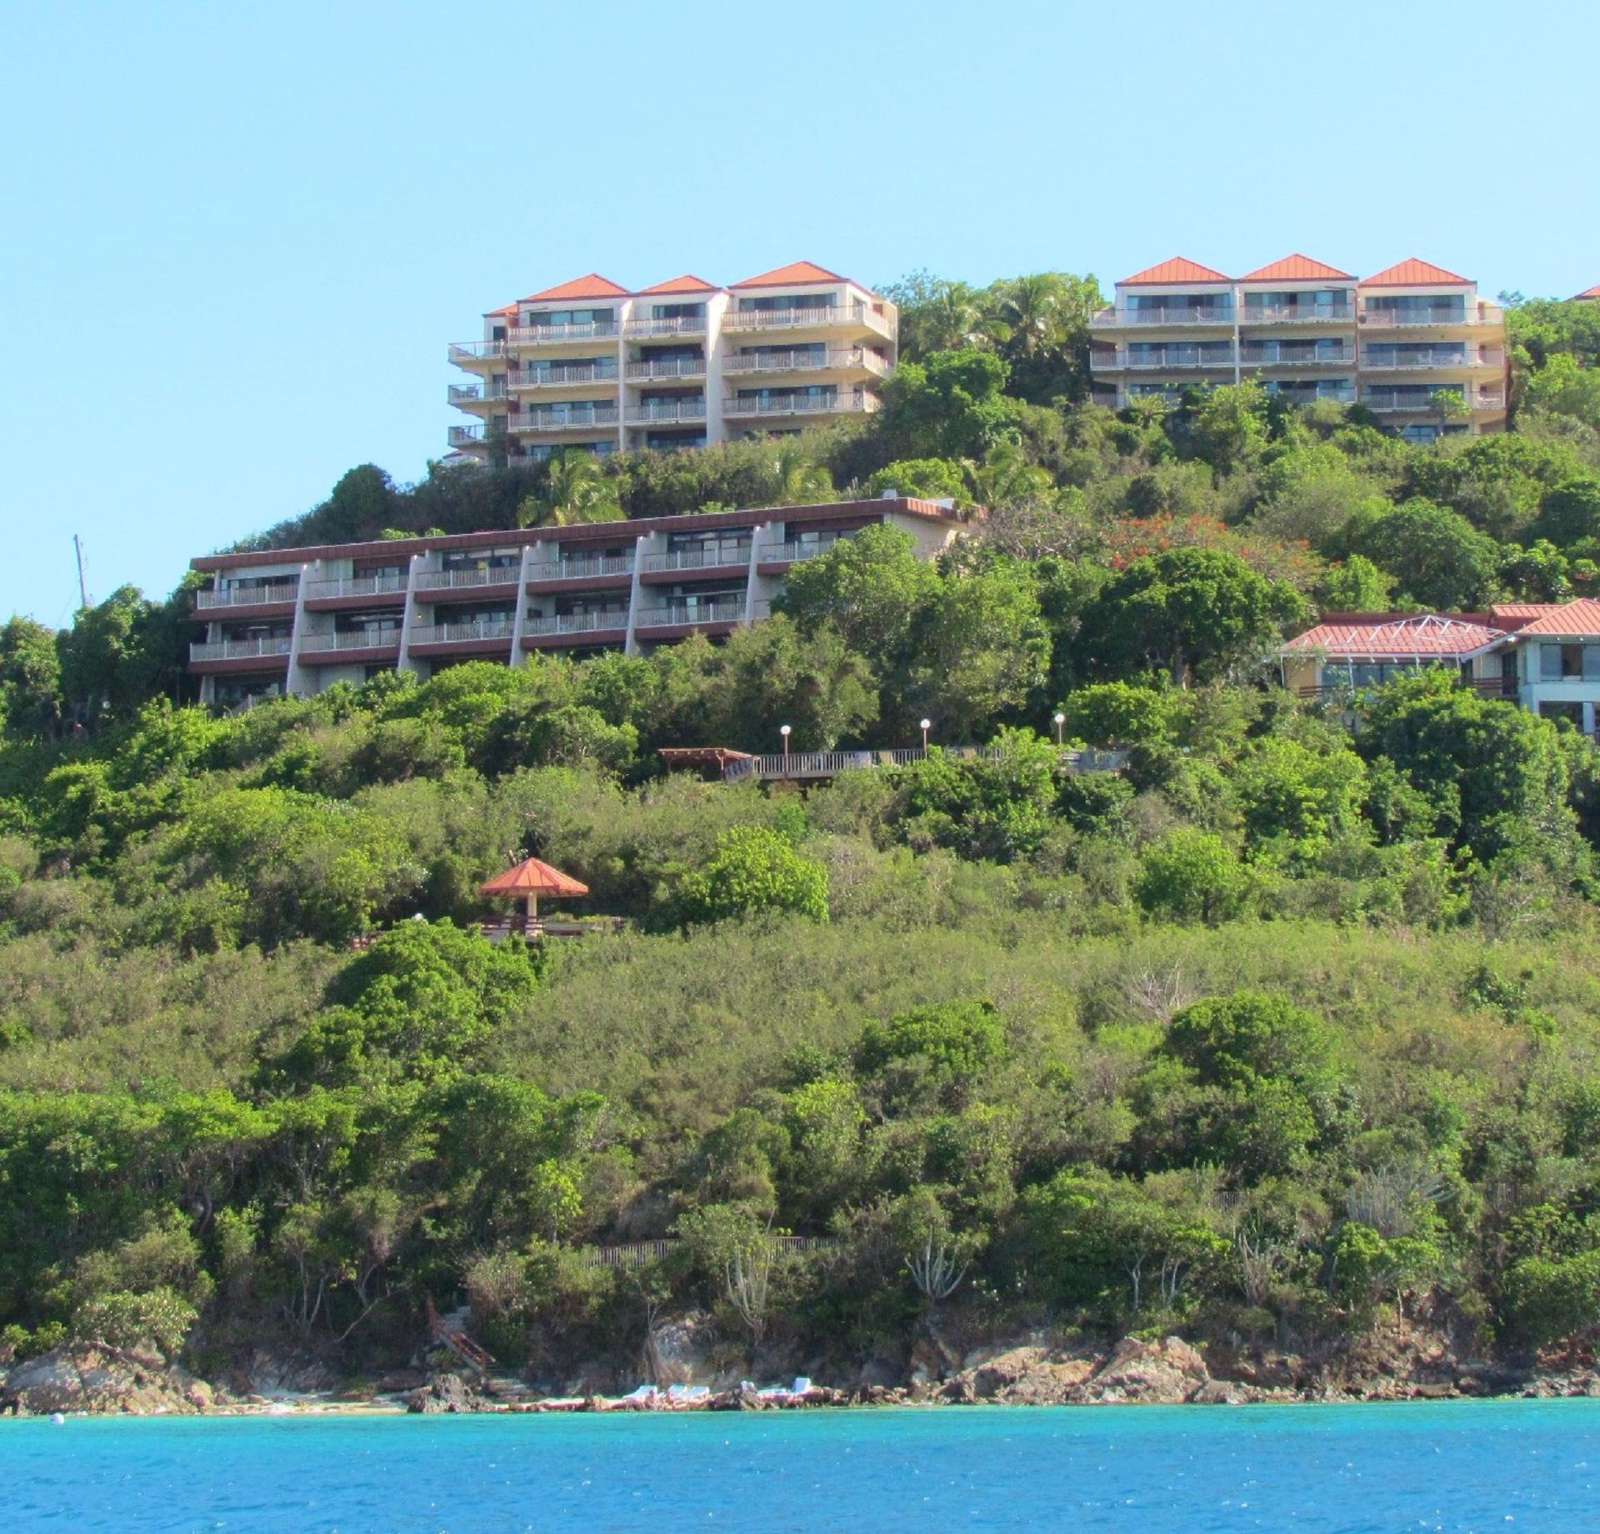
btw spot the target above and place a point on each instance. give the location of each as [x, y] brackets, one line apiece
[673, 325]
[565, 417]
[581, 567]
[474, 394]
[681, 615]
[855, 402]
[1432, 359]
[245, 596]
[1406, 399]
[463, 352]
[668, 367]
[464, 633]
[550, 335]
[1297, 314]
[465, 436]
[1404, 319]
[239, 649]
[1488, 399]
[1310, 393]
[1282, 356]
[793, 552]
[730, 551]
[390, 582]
[1169, 359]
[351, 639]
[655, 410]
[578, 623]
[467, 578]
[860, 315]
[557, 377]
[1176, 314]
[806, 360]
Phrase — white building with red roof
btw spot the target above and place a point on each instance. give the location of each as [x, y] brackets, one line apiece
[1413, 344]
[1544, 656]
[592, 365]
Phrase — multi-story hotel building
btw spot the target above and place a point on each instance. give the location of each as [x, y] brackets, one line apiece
[593, 366]
[1414, 344]
[298, 620]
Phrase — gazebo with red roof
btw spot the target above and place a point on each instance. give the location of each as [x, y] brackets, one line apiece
[530, 879]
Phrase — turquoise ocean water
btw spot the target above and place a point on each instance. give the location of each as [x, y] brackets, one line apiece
[1520, 1467]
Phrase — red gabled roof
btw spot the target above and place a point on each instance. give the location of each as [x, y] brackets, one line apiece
[592, 286]
[504, 309]
[1384, 635]
[1413, 273]
[1593, 292]
[688, 283]
[795, 274]
[1178, 269]
[1296, 268]
[1576, 620]
[531, 877]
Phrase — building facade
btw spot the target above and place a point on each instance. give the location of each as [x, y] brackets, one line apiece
[298, 620]
[1543, 656]
[590, 365]
[1414, 344]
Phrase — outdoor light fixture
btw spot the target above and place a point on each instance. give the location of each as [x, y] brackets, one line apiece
[1061, 719]
[783, 730]
[927, 724]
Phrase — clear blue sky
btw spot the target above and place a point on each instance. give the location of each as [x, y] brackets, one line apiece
[238, 237]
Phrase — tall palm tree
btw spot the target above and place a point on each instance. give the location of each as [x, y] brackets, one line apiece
[801, 480]
[578, 490]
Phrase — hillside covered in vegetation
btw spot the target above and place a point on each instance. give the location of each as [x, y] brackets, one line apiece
[1290, 1025]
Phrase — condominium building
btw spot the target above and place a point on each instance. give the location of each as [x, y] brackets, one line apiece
[1414, 344]
[1543, 656]
[596, 366]
[298, 620]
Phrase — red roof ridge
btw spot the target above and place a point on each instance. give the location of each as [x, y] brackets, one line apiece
[1414, 272]
[590, 285]
[687, 283]
[1593, 292]
[795, 274]
[1176, 269]
[1578, 618]
[1296, 268]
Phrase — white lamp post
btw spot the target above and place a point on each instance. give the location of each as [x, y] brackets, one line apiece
[1061, 719]
[927, 724]
[783, 730]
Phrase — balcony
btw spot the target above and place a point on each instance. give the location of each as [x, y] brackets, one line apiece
[582, 567]
[1426, 359]
[655, 411]
[667, 367]
[1284, 356]
[795, 551]
[856, 402]
[576, 623]
[710, 556]
[477, 631]
[467, 579]
[350, 639]
[564, 377]
[576, 417]
[467, 436]
[239, 649]
[829, 317]
[1414, 400]
[682, 615]
[1298, 314]
[388, 584]
[1176, 314]
[469, 353]
[468, 395]
[1310, 394]
[555, 335]
[673, 325]
[205, 600]
[1408, 319]
[804, 360]
[1166, 360]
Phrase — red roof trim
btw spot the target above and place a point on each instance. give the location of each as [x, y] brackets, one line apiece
[1297, 268]
[688, 283]
[1178, 269]
[1415, 273]
[797, 274]
[593, 285]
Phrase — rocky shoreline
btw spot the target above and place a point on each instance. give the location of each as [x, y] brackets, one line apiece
[1039, 1371]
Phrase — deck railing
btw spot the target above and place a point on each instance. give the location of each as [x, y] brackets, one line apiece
[472, 575]
[351, 639]
[577, 623]
[239, 649]
[828, 764]
[581, 567]
[499, 629]
[206, 599]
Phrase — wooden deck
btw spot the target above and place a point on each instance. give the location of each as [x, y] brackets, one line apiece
[818, 766]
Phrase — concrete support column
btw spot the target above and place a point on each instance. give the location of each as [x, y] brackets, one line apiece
[408, 615]
[296, 683]
[519, 622]
[631, 644]
[759, 537]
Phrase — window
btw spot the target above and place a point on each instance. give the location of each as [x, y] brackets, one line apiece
[787, 301]
[1563, 662]
[677, 311]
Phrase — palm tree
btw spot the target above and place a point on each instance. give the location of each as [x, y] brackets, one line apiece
[578, 489]
[801, 480]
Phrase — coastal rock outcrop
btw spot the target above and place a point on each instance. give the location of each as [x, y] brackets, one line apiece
[86, 1378]
[445, 1393]
[1161, 1373]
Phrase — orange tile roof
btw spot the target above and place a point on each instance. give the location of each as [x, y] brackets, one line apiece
[1178, 269]
[592, 286]
[1295, 268]
[504, 309]
[1382, 634]
[1413, 273]
[795, 274]
[1580, 619]
[1593, 292]
[688, 283]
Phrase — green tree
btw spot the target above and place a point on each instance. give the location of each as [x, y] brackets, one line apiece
[753, 870]
[577, 490]
[1434, 554]
[1192, 875]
